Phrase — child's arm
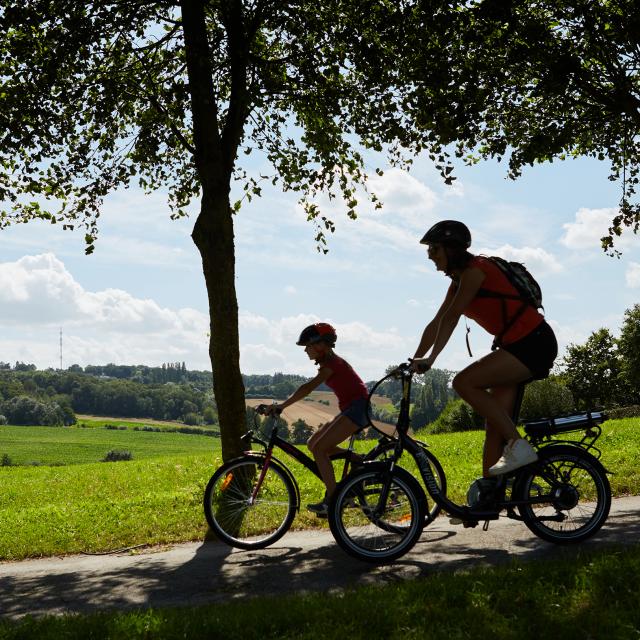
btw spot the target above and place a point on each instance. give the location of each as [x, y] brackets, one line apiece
[302, 391]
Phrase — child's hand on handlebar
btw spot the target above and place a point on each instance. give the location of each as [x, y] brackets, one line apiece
[269, 409]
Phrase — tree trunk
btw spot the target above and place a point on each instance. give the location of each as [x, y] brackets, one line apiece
[213, 235]
[213, 232]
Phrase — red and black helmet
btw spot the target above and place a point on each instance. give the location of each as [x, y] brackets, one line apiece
[318, 332]
[448, 233]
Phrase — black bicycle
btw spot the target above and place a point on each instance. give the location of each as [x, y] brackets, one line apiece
[250, 502]
[564, 497]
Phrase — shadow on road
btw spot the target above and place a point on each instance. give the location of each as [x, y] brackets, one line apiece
[307, 561]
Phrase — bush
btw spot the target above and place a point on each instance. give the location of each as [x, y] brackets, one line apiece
[546, 398]
[192, 418]
[3, 420]
[632, 411]
[6, 461]
[116, 455]
[456, 416]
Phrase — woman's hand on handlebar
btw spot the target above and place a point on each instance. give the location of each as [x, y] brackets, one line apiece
[420, 365]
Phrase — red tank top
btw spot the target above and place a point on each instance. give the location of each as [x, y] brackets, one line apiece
[487, 312]
[344, 382]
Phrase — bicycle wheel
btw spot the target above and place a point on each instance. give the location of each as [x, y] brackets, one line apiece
[246, 517]
[372, 532]
[569, 493]
[382, 451]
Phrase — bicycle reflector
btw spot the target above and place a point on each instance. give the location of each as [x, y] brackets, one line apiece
[226, 482]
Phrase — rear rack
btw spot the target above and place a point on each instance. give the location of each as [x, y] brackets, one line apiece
[541, 432]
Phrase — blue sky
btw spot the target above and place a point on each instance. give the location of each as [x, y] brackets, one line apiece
[140, 298]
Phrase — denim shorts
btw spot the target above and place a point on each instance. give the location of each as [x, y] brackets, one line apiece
[357, 412]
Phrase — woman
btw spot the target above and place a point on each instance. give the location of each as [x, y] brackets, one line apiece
[526, 349]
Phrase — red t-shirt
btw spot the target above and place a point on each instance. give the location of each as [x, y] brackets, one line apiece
[344, 382]
[487, 312]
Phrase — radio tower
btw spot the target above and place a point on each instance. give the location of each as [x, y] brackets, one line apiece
[60, 348]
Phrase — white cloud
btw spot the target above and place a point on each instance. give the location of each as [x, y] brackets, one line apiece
[39, 296]
[290, 290]
[590, 225]
[632, 275]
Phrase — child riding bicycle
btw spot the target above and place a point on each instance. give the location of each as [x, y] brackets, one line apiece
[318, 341]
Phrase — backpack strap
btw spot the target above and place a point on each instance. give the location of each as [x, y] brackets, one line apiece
[507, 322]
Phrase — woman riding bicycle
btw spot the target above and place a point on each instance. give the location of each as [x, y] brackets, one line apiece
[318, 341]
[525, 345]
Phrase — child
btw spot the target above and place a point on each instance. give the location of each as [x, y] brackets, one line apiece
[318, 341]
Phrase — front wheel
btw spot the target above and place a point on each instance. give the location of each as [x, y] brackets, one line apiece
[567, 493]
[386, 448]
[248, 506]
[370, 528]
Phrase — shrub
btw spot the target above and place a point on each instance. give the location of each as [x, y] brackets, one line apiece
[456, 416]
[192, 418]
[116, 455]
[3, 419]
[546, 398]
[6, 461]
[632, 411]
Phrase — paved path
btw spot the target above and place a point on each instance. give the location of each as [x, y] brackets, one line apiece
[199, 573]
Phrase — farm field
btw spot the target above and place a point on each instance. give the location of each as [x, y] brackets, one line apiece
[320, 409]
[77, 445]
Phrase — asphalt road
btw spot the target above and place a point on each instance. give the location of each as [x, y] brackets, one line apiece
[200, 573]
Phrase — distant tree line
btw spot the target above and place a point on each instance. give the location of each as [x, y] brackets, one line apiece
[604, 371]
[30, 396]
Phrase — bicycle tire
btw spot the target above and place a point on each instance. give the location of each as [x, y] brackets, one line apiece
[238, 520]
[372, 538]
[579, 495]
[432, 509]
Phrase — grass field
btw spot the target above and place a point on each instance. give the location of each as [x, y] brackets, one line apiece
[591, 596]
[77, 445]
[156, 498]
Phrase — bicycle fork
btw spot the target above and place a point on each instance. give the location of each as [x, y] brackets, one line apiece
[261, 477]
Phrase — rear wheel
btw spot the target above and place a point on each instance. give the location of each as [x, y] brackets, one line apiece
[246, 515]
[369, 530]
[569, 493]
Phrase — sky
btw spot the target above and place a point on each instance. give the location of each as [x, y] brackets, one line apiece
[140, 298]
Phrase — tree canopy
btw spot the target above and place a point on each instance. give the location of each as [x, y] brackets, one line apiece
[96, 96]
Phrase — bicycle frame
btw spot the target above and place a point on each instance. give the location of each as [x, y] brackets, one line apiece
[536, 433]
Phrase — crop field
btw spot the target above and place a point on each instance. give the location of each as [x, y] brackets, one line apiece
[320, 407]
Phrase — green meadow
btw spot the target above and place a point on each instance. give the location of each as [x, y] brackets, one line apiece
[73, 503]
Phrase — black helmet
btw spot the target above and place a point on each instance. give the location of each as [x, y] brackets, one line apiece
[319, 332]
[448, 232]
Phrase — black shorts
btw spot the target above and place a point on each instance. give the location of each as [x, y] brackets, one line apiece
[537, 350]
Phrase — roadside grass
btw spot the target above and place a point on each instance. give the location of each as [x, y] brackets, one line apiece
[102, 506]
[157, 499]
[589, 595]
[75, 445]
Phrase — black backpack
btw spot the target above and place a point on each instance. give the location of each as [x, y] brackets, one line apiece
[524, 283]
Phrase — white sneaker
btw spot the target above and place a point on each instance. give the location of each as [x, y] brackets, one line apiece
[516, 454]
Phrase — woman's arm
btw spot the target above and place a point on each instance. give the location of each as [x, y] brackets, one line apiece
[431, 330]
[470, 282]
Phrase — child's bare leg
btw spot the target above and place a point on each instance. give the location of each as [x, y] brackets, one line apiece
[339, 430]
